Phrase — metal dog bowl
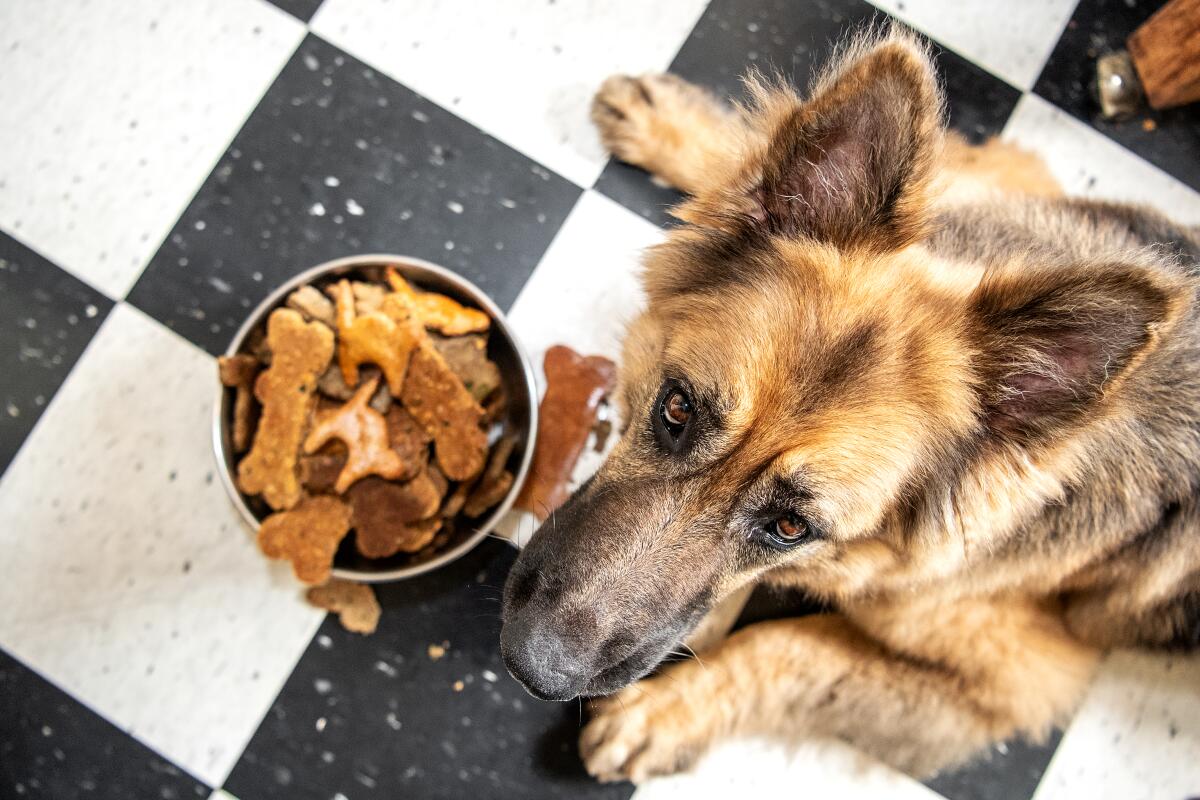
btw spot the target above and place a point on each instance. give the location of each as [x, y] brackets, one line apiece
[516, 375]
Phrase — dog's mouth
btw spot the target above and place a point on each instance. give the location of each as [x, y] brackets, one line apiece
[632, 667]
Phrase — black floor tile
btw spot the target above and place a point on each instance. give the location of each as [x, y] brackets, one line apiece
[378, 717]
[632, 188]
[52, 746]
[1169, 139]
[794, 39]
[48, 317]
[301, 9]
[1010, 771]
[336, 160]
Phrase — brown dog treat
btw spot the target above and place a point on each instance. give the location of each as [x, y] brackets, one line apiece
[488, 494]
[256, 345]
[467, 356]
[355, 604]
[575, 386]
[238, 373]
[308, 536]
[384, 339]
[319, 471]
[495, 405]
[368, 297]
[312, 304]
[406, 435]
[435, 396]
[387, 516]
[332, 384]
[457, 499]
[381, 401]
[300, 352]
[438, 311]
[365, 434]
[440, 484]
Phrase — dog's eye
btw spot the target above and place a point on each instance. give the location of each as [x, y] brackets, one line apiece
[676, 411]
[787, 530]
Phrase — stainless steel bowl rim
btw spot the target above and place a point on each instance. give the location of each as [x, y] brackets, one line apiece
[344, 264]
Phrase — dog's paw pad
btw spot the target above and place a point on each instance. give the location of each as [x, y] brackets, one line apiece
[639, 737]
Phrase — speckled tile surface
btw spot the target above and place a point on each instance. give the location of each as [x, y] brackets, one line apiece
[48, 317]
[1168, 139]
[134, 585]
[1011, 40]
[381, 717]
[53, 746]
[340, 159]
[302, 10]
[533, 64]
[1090, 164]
[99, 155]
[1137, 735]
[735, 35]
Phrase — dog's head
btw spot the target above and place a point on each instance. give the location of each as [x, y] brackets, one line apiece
[800, 379]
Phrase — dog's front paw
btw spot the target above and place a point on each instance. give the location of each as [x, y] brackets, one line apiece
[654, 727]
[624, 112]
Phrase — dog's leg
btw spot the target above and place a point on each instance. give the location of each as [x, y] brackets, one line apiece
[678, 132]
[939, 686]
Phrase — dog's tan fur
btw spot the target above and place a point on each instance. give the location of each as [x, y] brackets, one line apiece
[992, 394]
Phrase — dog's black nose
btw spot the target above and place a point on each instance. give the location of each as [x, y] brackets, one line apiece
[542, 660]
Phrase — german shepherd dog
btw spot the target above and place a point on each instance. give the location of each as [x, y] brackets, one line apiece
[899, 373]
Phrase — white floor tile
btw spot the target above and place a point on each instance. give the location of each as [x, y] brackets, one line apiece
[128, 579]
[765, 770]
[1011, 40]
[1089, 164]
[112, 112]
[523, 70]
[1136, 736]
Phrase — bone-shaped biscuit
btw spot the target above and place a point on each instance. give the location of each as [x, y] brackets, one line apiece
[300, 351]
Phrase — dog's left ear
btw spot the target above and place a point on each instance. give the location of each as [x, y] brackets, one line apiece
[850, 166]
[1052, 343]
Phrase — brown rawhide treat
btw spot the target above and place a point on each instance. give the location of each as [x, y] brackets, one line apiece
[575, 387]
[439, 312]
[467, 356]
[312, 304]
[365, 434]
[308, 536]
[387, 516]
[238, 373]
[355, 604]
[383, 338]
[319, 471]
[300, 352]
[437, 399]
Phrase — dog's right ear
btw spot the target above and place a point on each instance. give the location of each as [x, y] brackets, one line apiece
[850, 166]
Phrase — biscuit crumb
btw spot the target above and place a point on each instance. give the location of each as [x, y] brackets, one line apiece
[458, 686]
[436, 651]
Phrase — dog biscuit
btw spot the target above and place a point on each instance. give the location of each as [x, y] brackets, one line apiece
[355, 604]
[437, 399]
[438, 311]
[379, 338]
[238, 373]
[308, 536]
[300, 351]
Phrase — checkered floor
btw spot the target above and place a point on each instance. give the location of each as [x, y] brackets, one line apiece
[164, 165]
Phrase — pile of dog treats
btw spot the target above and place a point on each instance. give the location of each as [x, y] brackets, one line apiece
[364, 410]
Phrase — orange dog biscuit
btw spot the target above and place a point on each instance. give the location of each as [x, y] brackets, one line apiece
[437, 311]
[300, 351]
[365, 433]
[385, 338]
[437, 399]
[308, 536]
[355, 604]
